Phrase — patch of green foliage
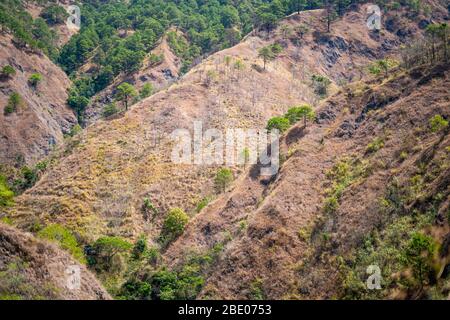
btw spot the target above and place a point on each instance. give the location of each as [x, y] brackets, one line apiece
[14, 102]
[438, 123]
[65, 238]
[182, 283]
[109, 110]
[320, 84]
[223, 179]
[375, 145]
[202, 204]
[8, 71]
[342, 175]
[27, 32]
[6, 194]
[173, 225]
[279, 123]
[35, 79]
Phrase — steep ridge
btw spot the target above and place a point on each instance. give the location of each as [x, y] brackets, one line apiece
[281, 250]
[42, 118]
[33, 269]
[99, 183]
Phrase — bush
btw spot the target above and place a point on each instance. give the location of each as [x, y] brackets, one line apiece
[64, 238]
[202, 204]
[35, 79]
[6, 195]
[174, 225]
[8, 71]
[14, 102]
[75, 130]
[109, 110]
[148, 207]
[223, 179]
[146, 91]
[375, 145]
[437, 123]
[320, 84]
[140, 247]
[279, 123]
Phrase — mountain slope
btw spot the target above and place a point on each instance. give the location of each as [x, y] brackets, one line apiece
[33, 269]
[107, 171]
[282, 247]
[102, 176]
[42, 118]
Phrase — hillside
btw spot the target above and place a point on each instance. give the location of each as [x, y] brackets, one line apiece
[33, 269]
[124, 160]
[365, 183]
[42, 116]
[159, 74]
[293, 245]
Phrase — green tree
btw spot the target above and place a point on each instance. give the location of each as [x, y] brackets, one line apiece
[54, 14]
[35, 79]
[269, 53]
[125, 92]
[223, 179]
[418, 254]
[294, 114]
[106, 248]
[279, 123]
[174, 225]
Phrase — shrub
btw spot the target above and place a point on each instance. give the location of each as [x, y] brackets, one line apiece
[279, 123]
[223, 179]
[403, 156]
[6, 195]
[148, 207]
[64, 238]
[75, 130]
[437, 123]
[35, 79]
[203, 203]
[174, 225]
[8, 71]
[375, 145]
[140, 247]
[155, 59]
[320, 84]
[14, 102]
[256, 289]
[146, 91]
[418, 252]
[109, 110]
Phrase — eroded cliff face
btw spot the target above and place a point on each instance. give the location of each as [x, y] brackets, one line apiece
[34, 269]
[42, 117]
